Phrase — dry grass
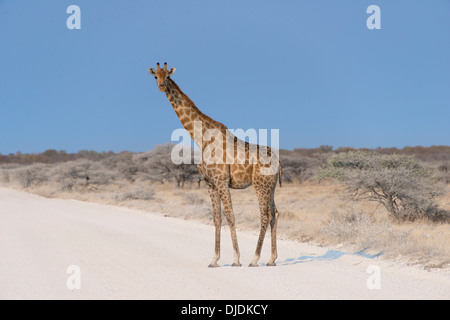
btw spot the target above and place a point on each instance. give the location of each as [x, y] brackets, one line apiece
[310, 212]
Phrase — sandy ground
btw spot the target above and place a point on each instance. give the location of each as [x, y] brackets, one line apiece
[119, 253]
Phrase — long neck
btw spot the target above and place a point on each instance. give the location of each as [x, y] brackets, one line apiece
[189, 114]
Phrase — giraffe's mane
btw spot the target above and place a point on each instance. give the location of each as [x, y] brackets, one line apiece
[186, 98]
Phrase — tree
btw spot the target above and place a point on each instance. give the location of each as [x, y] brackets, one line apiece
[32, 175]
[157, 165]
[399, 182]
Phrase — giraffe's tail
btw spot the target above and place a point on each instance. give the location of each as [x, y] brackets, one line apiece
[280, 171]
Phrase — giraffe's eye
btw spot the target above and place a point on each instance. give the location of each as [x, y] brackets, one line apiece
[156, 77]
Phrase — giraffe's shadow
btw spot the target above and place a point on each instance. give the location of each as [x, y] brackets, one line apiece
[330, 255]
[327, 256]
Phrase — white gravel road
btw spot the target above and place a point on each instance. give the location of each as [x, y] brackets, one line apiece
[65, 249]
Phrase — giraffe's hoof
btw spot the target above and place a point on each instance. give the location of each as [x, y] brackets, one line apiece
[236, 264]
[253, 265]
[213, 265]
[271, 264]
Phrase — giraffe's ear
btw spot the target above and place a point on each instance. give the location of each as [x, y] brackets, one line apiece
[152, 71]
[172, 71]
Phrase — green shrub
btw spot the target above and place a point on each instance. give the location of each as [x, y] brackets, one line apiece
[399, 182]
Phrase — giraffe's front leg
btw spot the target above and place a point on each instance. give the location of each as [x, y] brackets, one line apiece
[225, 196]
[215, 200]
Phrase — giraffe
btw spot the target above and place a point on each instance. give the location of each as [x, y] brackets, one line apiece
[238, 170]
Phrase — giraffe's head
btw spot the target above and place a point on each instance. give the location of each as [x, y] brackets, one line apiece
[161, 75]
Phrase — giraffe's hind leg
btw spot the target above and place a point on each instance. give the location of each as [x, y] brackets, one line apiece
[264, 202]
[265, 191]
[273, 228]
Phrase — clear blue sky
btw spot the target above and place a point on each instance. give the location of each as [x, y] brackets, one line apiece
[311, 69]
